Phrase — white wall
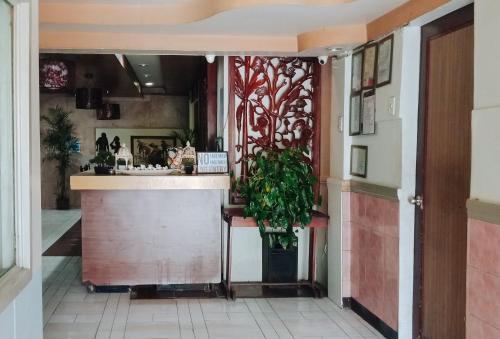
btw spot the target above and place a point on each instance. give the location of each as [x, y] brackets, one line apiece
[391, 160]
[485, 184]
[384, 148]
[22, 319]
[340, 108]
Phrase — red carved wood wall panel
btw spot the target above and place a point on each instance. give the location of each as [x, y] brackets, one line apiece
[274, 102]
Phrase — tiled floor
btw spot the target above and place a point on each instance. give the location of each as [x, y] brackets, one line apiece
[71, 313]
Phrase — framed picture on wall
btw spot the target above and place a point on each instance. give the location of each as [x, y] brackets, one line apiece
[151, 149]
[368, 113]
[385, 49]
[355, 115]
[359, 160]
[357, 71]
[369, 64]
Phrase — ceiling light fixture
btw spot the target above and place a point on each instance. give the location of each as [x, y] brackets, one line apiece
[143, 65]
[147, 75]
[149, 84]
[335, 49]
[210, 58]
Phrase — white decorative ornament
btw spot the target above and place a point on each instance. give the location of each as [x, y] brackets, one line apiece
[124, 154]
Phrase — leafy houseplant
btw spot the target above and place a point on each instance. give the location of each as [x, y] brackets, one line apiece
[186, 135]
[103, 161]
[279, 193]
[59, 141]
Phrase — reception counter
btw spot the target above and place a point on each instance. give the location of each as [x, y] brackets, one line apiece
[151, 229]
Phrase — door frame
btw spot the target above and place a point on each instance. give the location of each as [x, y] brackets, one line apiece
[454, 21]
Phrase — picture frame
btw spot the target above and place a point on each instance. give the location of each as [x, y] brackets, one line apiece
[212, 162]
[357, 71]
[359, 161]
[355, 115]
[151, 149]
[369, 65]
[368, 111]
[108, 111]
[56, 75]
[385, 50]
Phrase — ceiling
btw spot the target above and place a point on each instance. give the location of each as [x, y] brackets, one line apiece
[283, 21]
[171, 75]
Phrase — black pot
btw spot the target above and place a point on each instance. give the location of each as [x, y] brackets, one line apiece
[188, 169]
[279, 265]
[102, 170]
[62, 204]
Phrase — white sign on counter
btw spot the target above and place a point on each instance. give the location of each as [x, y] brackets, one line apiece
[212, 162]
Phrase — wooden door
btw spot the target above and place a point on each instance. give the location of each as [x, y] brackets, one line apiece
[444, 174]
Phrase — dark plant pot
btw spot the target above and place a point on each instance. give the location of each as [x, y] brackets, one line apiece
[188, 169]
[102, 170]
[279, 265]
[62, 204]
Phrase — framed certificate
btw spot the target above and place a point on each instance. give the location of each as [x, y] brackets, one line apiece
[357, 71]
[359, 160]
[384, 60]
[369, 63]
[368, 113]
[355, 115]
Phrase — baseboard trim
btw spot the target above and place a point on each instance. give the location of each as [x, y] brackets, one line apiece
[384, 192]
[370, 318]
[483, 211]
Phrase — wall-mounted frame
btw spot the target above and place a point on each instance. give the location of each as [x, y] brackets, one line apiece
[368, 113]
[369, 65]
[359, 161]
[151, 149]
[212, 162]
[385, 49]
[56, 75]
[355, 115]
[357, 71]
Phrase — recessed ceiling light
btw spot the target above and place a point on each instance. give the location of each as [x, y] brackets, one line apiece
[143, 65]
[147, 75]
[149, 84]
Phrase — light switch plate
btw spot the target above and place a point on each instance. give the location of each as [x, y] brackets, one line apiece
[391, 106]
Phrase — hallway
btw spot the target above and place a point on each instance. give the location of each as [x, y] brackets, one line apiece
[70, 312]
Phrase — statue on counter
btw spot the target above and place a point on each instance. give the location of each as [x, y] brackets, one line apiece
[102, 144]
[124, 154]
[115, 144]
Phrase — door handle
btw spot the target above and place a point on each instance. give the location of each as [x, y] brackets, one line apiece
[417, 201]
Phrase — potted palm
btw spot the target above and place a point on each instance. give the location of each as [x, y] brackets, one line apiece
[59, 141]
[279, 194]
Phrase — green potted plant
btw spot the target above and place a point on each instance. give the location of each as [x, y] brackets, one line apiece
[59, 141]
[188, 165]
[279, 194]
[186, 135]
[104, 162]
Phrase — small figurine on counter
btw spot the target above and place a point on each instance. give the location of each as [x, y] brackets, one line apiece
[124, 154]
[115, 144]
[102, 144]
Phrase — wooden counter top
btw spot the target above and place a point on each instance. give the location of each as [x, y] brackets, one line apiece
[89, 181]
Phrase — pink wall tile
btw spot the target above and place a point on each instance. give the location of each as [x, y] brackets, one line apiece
[483, 280]
[483, 296]
[484, 246]
[374, 245]
[477, 328]
[346, 206]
